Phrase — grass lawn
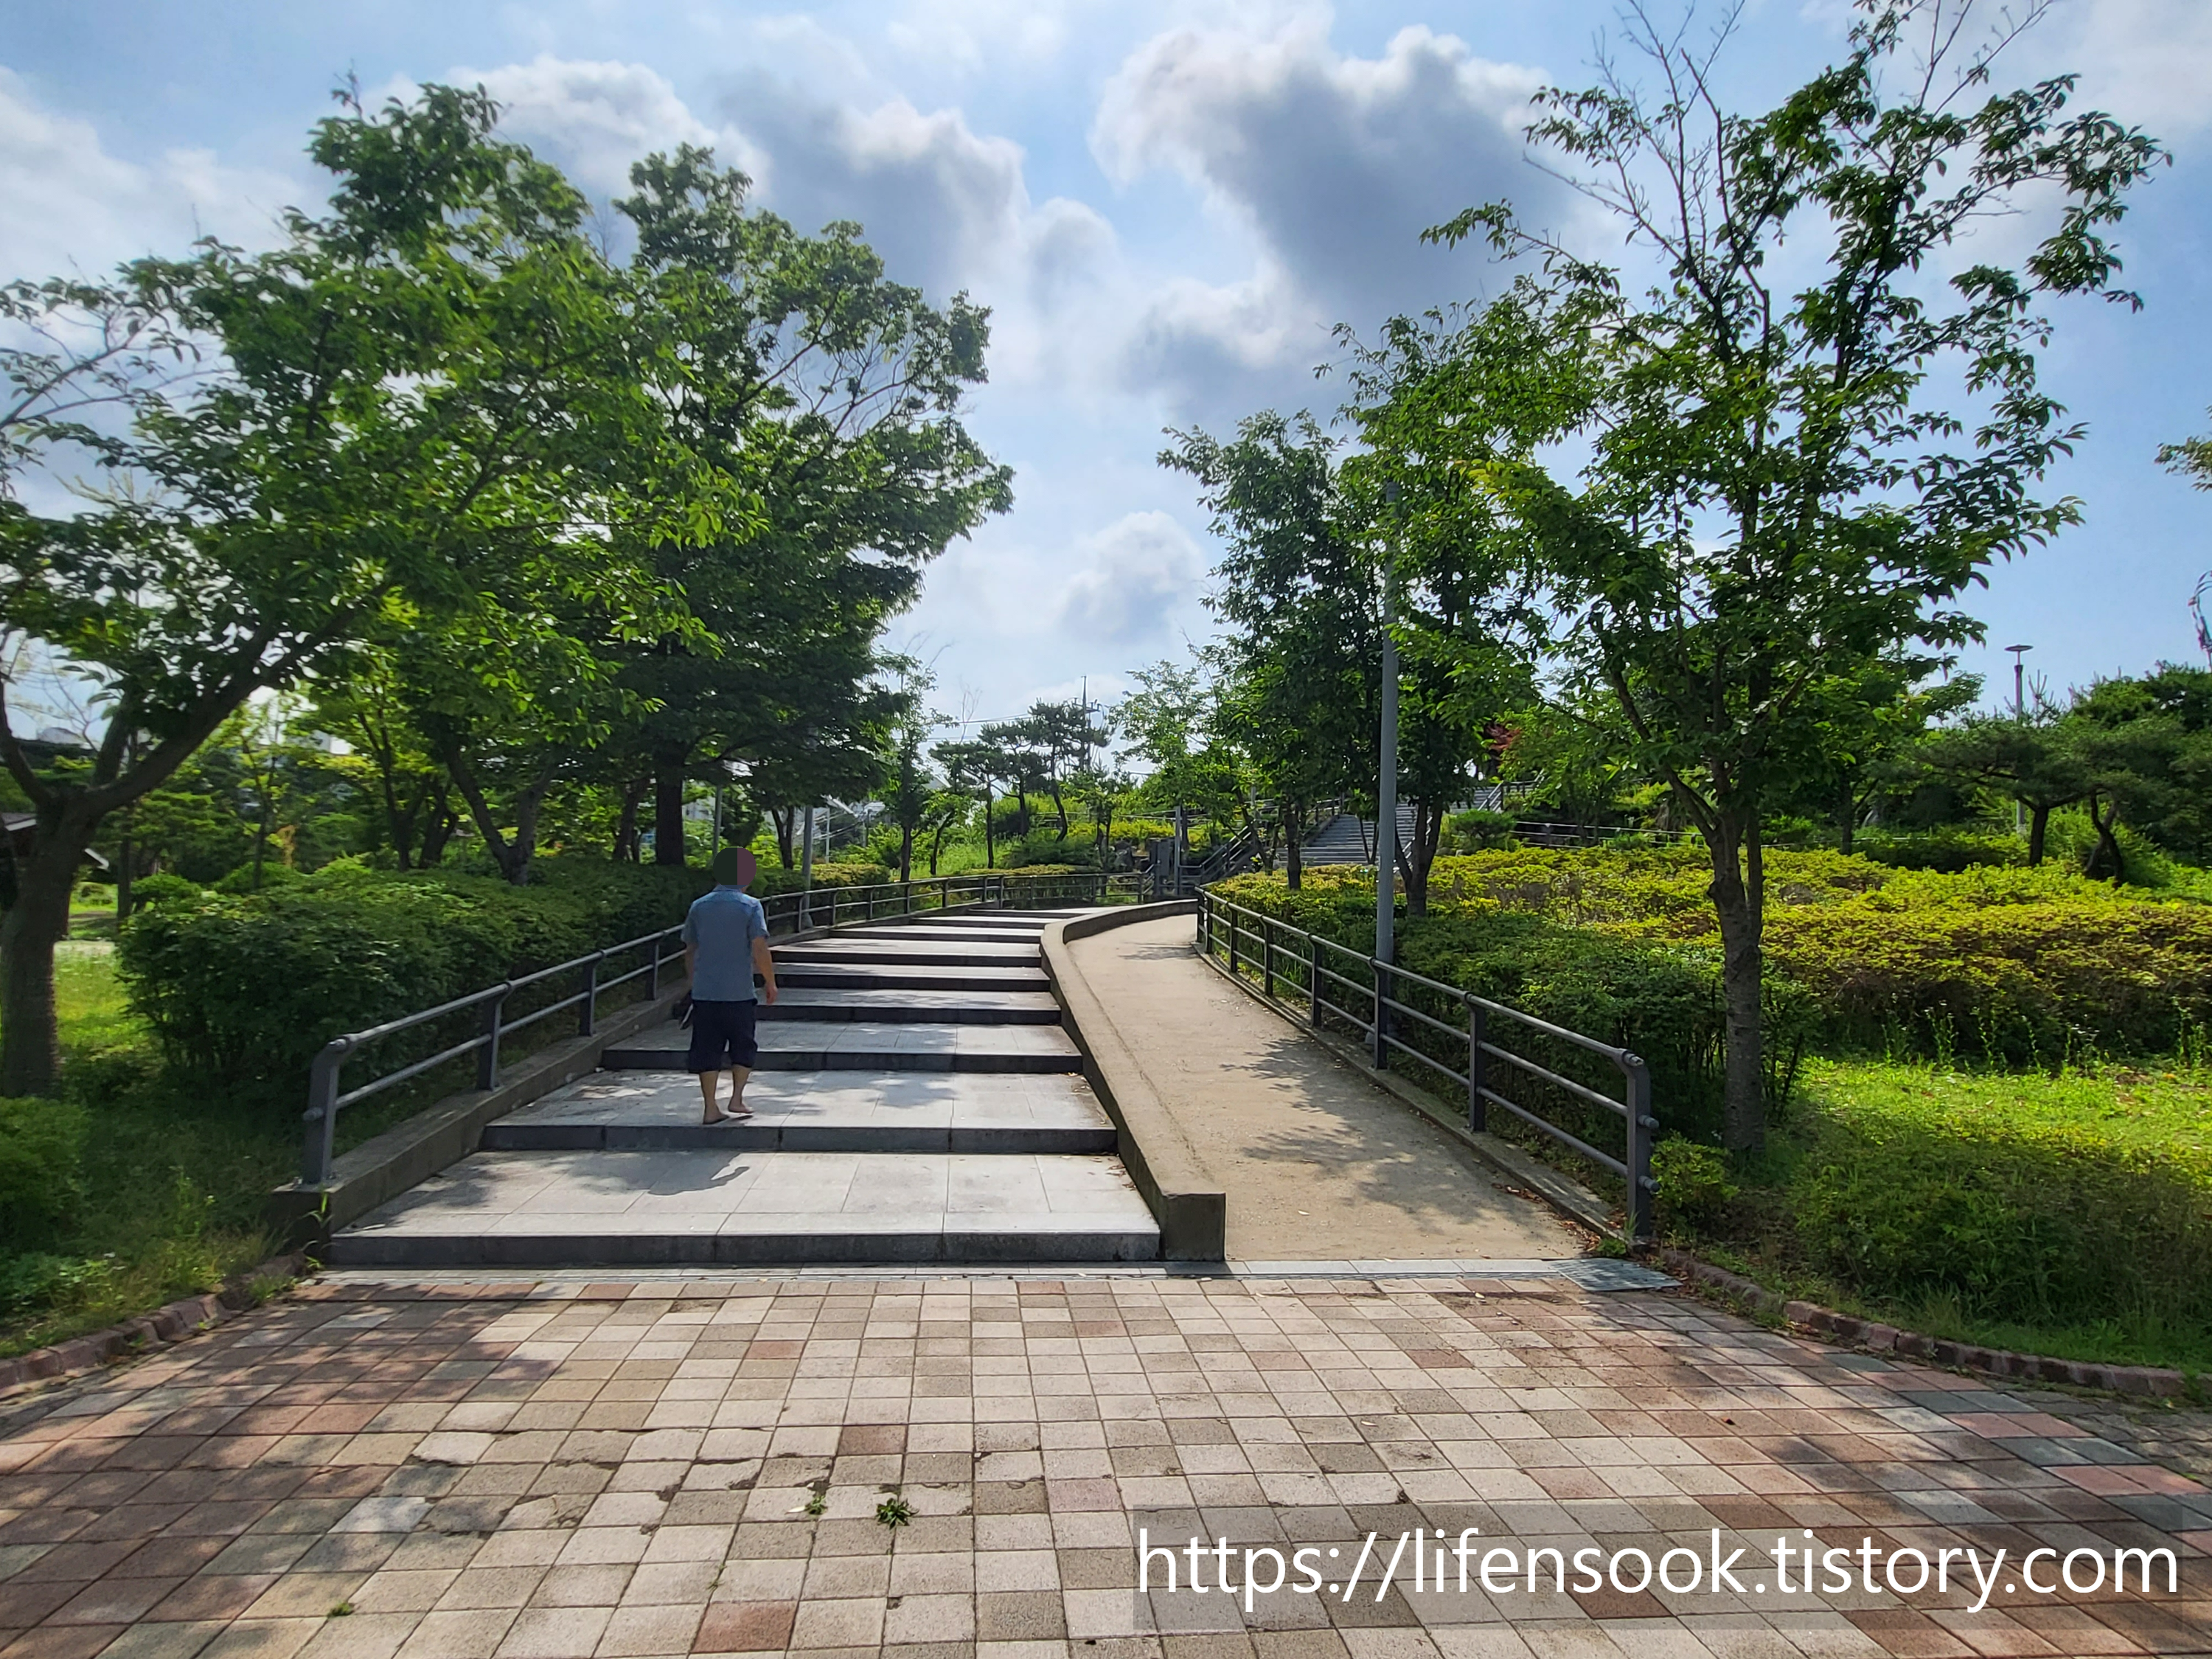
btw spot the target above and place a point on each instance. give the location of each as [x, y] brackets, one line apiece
[2152, 1122]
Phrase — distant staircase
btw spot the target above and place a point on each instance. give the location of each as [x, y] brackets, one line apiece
[1345, 839]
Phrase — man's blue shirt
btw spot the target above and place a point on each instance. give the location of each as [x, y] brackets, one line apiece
[723, 924]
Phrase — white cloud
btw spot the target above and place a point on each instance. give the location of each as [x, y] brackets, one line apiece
[595, 119]
[1335, 163]
[2148, 62]
[68, 204]
[1140, 570]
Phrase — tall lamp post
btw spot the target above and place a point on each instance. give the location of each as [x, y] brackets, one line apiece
[2019, 713]
[1386, 804]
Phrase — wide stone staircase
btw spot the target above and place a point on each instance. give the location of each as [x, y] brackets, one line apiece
[916, 1101]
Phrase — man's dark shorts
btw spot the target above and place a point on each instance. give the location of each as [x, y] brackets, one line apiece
[722, 1035]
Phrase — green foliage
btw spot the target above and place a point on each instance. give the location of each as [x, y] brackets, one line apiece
[251, 986]
[1477, 831]
[2046, 1203]
[1694, 1186]
[41, 1170]
[1949, 847]
[773, 880]
[1773, 504]
[166, 890]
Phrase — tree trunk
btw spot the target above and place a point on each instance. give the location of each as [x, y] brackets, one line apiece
[906, 852]
[1293, 821]
[503, 853]
[668, 809]
[1849, 819]
[990, 846]
[30, 1047]
[2038, 822]
[1739, 902]
[438, 831]
[528, 805]
[1415, 862]
[1059, 809]
[785, 818]
[625, 847]
[2107, 860]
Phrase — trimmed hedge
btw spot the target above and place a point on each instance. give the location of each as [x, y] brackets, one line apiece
[251, 986]
[2001, 964]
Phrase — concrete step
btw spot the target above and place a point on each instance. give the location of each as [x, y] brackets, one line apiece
[884, 948]
[835, 1112]
[964, 1007]
[830, 976]
[936, 931]
[608, 1208]
[871, 1046]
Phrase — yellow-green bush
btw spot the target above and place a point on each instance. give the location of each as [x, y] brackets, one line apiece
[1996, 963]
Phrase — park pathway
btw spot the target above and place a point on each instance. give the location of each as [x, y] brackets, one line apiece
[1317, 1162]
[652, 1467]
[916, 1101]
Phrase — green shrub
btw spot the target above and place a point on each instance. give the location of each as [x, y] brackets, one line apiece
[1045, 848]
[1950, 849]
[774, 879]
[251, 985]
[274, 873]
[1995, 961]
[1477, 831]
[41, 1170]
[2014, 1199]
[165, 889]
[1694, 1190]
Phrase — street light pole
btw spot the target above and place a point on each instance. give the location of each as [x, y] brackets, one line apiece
[1386, 803]
[2019, 714]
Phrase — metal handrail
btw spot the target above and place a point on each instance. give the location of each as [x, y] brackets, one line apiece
[1225, 929]
[787, 913]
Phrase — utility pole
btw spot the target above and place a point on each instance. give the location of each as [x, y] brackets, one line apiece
[1386, 803]
[2019, 714]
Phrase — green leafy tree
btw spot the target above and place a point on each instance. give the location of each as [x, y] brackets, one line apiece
[2027, 757]
[909, 793]
[1169, 722]
[1779, 493]
[1296, 592]
[2144, 745]
[436, 378]
[831, 395]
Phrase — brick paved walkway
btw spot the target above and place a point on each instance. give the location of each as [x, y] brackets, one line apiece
[466, 1472]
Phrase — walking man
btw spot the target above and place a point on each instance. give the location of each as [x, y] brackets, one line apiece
[725, 944]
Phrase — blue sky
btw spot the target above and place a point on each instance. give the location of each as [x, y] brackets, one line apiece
[1167, 205]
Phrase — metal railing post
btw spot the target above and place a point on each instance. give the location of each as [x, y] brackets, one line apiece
[588, 1013]
[1313, 979]
[1641, 1124]
[1266, 956]
[1381, 1014]
[1233, 930]
[487, 1055]
[1478, 1109]
[322, 1112]
[653, 964]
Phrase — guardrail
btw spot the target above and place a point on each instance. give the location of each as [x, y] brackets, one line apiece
[1375, 998]
[788, 913]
